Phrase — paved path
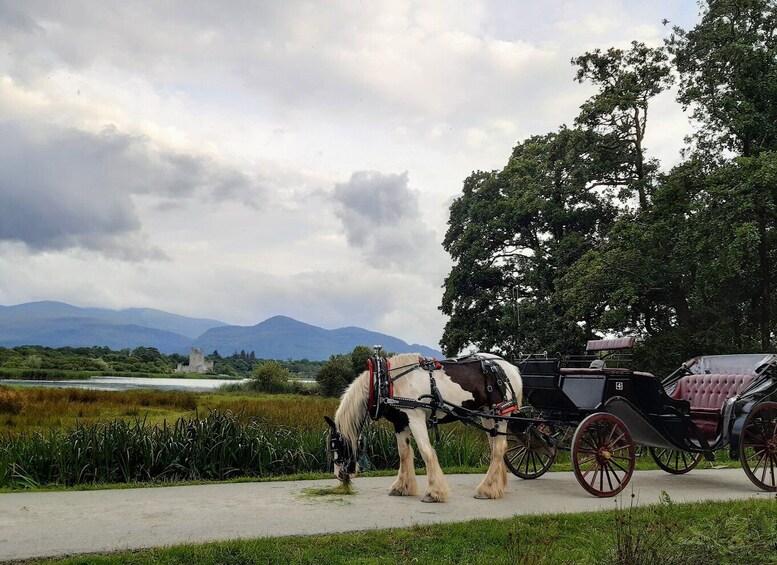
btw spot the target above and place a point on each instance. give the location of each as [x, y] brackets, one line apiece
[58, 523]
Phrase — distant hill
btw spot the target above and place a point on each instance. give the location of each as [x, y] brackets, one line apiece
[281, 337]
[145, 317]
[87, 332]
[56, 324]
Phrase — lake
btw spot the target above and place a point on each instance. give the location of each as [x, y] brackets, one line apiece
[131, 383]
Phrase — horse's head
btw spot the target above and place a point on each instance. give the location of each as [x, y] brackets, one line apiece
[343, 453]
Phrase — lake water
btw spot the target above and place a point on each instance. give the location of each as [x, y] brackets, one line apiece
[131, 383]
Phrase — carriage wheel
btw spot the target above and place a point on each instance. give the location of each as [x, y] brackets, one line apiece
[758, 446]
[529, 453]
[675, 461]
[603, 454]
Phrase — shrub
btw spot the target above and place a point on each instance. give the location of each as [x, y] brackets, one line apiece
[270, 376]
[335, 375]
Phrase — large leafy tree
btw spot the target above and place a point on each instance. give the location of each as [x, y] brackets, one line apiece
[728, 75]
[513, 234]
[626, 81]
[581, 234]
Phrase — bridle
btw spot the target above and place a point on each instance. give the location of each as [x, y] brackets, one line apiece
[341, 451]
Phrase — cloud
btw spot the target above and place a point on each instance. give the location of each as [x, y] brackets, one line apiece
[65, 188]
[382, 219]
[202, 94]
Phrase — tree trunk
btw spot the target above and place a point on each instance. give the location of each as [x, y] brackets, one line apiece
[766, 298]
[640, 164]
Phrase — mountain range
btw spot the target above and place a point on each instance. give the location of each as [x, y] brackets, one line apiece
[56, 324]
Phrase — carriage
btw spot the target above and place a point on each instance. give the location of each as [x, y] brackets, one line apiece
[601, 413]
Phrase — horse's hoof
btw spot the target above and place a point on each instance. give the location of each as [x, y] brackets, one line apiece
[429, 498]
[482, 497]
[395, 493]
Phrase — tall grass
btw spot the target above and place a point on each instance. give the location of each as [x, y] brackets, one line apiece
[38, 407]
[219, 446]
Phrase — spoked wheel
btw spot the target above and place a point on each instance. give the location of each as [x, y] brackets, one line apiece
[758, 446]
[675, 461]
[529, 453]
[603, 454]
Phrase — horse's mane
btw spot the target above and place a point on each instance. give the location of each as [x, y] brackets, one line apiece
[352, 412]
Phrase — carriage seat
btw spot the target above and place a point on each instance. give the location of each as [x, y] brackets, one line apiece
[706, 394]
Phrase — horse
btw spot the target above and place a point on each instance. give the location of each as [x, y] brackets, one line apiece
[464, 382]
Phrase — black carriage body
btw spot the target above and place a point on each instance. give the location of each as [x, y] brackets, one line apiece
[709, 403]
[647, 405]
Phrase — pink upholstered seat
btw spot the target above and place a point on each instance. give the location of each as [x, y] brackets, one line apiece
[707, 393]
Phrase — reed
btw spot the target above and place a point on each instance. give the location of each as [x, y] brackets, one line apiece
[218, 446]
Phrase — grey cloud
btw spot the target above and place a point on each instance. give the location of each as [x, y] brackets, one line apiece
[12, 19]
[64, 188]
[381, 217]
[296, 55]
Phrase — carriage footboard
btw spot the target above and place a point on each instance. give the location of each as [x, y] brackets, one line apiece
[643, 430]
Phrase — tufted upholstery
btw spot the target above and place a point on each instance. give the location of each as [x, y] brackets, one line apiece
[706, 394]
[710, 391]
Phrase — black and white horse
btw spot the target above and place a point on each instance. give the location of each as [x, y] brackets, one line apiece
[459, 383]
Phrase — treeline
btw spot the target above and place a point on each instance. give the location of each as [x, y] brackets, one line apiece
[148, 360]
[583, 233]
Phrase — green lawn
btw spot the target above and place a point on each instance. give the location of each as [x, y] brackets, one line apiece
[741, 532]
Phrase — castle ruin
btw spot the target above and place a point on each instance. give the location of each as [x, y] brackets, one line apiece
[197, 363]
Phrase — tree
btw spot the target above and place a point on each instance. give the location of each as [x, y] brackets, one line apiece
[340, 370]
[626, 82]
[512, 235]
[335, 375]
[728, 75]
[546, 253]
[359, 357]
[270, 376]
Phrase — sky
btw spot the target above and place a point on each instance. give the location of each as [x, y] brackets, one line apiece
[240, 160]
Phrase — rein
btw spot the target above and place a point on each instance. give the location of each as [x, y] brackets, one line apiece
[413, 367]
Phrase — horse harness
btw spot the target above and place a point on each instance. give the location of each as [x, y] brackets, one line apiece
[382, 387]
[381, 397]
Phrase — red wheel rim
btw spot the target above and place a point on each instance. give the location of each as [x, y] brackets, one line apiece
[758, 446]
[526, 457]
[674, 461]
[603, 454]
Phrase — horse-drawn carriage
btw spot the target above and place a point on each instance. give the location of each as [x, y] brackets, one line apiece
[709, 403]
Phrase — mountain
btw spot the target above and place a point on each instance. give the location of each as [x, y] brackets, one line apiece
[281, 337]
[56, 324]
[145, 317]
[87, 332]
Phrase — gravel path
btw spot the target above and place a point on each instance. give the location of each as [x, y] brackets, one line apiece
[58, 523]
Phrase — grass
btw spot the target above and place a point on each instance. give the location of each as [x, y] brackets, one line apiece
[39, 408]
[741, 532]
[54, 438]
[339, 490]
[214, 447]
